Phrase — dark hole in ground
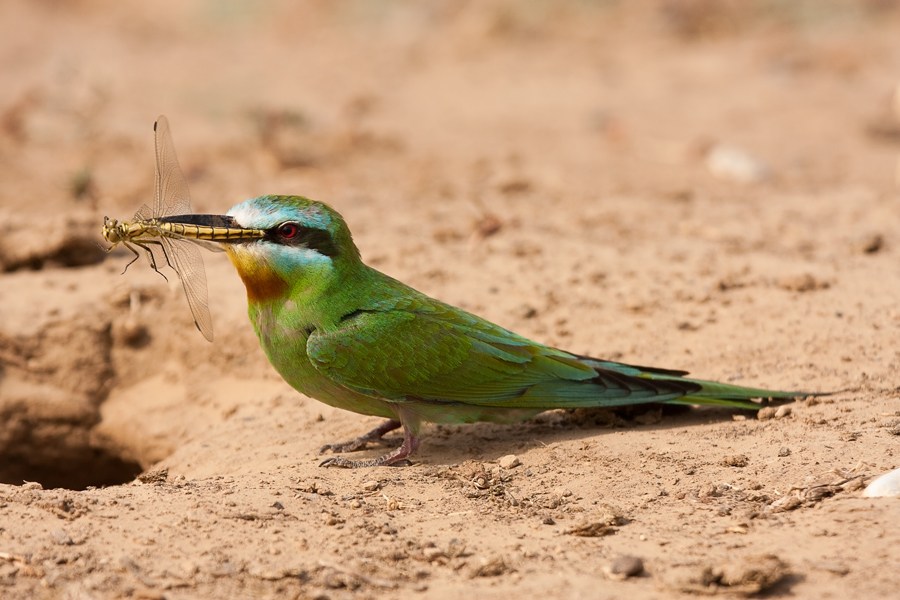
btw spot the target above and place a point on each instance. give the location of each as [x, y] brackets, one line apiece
[97, 468]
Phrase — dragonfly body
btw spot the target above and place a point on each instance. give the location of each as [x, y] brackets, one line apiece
[140, 232]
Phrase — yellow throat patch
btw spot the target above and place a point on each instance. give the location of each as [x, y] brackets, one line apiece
[260, 280]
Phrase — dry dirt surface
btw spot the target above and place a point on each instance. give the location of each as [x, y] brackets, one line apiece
[691, 184]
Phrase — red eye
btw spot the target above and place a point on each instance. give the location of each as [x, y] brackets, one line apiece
[289, 230]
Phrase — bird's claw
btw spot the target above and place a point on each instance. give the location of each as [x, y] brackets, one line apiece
[346, 463]
[395, 457]
[360, 442]
[341, 447]
[339, 461]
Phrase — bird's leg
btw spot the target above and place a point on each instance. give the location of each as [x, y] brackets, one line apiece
[360, 442]
[409, 445]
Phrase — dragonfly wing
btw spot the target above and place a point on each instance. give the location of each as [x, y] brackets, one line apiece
[186, 260]
[171, 189]
[207, 245]
[145, 213]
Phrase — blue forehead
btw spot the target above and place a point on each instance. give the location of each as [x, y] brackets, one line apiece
[268, 211]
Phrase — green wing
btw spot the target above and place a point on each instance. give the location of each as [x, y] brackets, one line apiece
[420, 349]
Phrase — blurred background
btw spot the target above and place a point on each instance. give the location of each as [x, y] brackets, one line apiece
[442, 100]
[693, 165]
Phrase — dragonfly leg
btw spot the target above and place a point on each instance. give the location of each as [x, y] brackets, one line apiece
[145, 244]
[133, 251]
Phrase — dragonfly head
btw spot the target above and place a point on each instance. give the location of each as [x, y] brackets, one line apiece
[111, 231]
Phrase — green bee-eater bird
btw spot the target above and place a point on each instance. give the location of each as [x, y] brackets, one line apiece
[345, 334]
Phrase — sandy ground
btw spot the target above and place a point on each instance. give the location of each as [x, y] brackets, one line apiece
[709, 186]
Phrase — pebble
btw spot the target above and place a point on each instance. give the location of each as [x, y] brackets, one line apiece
[510, 461]
[735, 164]
[623, 567]
[370, 486]
[736, 460]
[771, 412]
[886, 486]
[782, 412]
[766, 413]
[60, 537]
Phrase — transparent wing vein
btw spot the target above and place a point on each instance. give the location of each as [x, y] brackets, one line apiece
[188, 263]
[171, 189]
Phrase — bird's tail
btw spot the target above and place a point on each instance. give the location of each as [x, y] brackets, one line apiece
[699, 391]
[712, 393]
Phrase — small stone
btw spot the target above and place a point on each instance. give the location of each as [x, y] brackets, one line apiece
[736, 460]
[510, 461]
[60, 537]
[154, 477]
[869, 244]
[802, 283]
[590, 529]
[735, 164]
[708, 491]
[623, 567]
[370, 486]
[786, 503]
[751, 575]
[32, 485]
[766, 413]
[611, 515]
[491, 568]
[785, 451]
[782, 412]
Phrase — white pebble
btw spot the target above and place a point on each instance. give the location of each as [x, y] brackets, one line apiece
[735, 164]
[886, 486]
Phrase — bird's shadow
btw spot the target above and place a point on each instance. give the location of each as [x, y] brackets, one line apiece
[446, 445]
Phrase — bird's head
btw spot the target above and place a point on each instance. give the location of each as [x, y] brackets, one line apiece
[300, 247]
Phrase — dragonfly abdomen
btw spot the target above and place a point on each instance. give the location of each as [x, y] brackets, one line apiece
[205, 232]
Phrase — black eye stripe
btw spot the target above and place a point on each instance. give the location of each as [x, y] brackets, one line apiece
[310, 237]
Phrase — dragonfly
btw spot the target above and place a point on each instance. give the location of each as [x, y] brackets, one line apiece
[170, 234]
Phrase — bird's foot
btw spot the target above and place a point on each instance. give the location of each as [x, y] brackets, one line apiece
[346, 463]
[395, 457]
[360, 442]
